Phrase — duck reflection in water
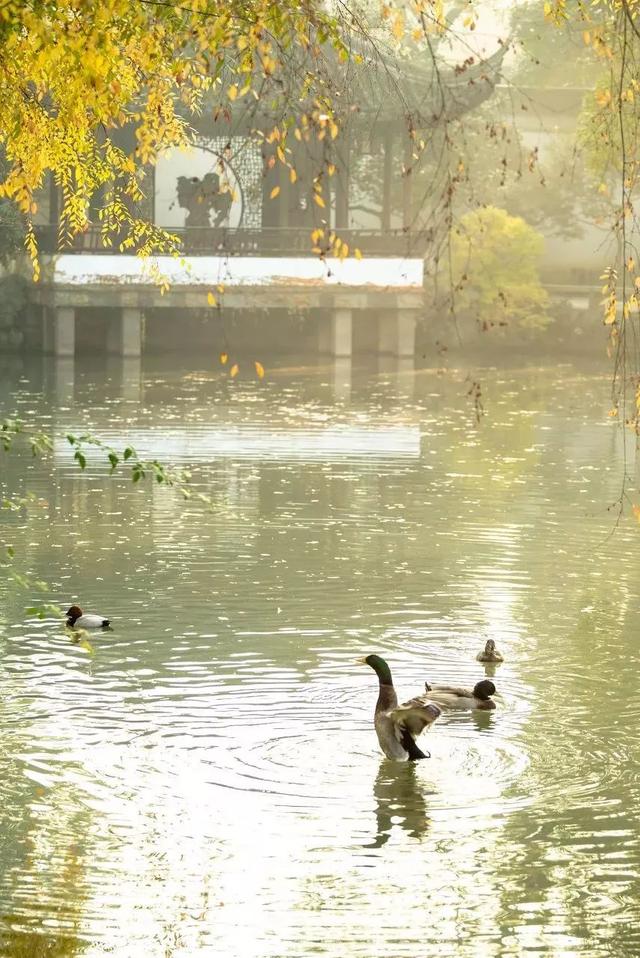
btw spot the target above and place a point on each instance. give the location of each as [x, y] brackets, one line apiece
[400, 800]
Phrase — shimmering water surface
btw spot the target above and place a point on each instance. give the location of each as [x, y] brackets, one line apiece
[206, 781]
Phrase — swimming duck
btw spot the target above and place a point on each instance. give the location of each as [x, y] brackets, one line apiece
[452, 697]
[397, 725]
[490, 653]
[77, 619]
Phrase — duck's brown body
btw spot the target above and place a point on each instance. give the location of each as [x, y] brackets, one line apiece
[489, 653]
[397, 725]
[453, 697]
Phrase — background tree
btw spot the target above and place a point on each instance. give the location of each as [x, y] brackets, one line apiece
[494, 268]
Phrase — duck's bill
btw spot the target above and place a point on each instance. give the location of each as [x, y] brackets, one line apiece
[362, 661]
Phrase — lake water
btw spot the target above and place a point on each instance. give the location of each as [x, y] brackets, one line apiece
[206, 781]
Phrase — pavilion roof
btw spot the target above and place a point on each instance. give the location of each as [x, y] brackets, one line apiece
[389, 87]
[377, 85]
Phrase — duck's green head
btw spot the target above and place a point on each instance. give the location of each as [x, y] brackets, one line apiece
[380, 667]
[484, 690]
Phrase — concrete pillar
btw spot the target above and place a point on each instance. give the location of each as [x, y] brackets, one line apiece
[397, 333]
[335, 333]
[124, 336]
[64, 331]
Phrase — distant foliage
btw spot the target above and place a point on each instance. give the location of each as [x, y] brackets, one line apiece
[494, 262]
[13, 298]
[11, 232]
[13, 286]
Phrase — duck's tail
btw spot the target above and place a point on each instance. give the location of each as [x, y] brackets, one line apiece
[408, 742]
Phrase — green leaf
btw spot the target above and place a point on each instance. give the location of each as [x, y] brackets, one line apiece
[81, 459]
[113, 459]
[11, 552]
[128, 453]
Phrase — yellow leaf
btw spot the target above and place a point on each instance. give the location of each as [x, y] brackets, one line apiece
[274, 192]
[234, 370]
[334, 130]
[223, 358]
[211, 299]
[398, 25]
[636, 512]
[319, 200]
[293, 176]
[281, 155]
[259, 369]
[357, 253]
[331, 169]
[232, 91]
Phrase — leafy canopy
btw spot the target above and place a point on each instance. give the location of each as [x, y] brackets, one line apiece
[494, 261]
[75, 72]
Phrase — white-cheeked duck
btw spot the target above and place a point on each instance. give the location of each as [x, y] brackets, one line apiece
[77, 619]
[453, 697]
[490, 653]
[397, 726]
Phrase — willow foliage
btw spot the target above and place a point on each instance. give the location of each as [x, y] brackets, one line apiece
[76, 71]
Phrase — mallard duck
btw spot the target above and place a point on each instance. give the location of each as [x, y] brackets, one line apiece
[490, 653]
[77, 619]
[397, 725]
[452, 697]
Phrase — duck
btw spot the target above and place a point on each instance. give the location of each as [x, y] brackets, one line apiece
[77, 619]
[397, 726]
[490, 653]
[452, 697]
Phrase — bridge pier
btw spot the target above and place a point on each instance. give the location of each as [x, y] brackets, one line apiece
[397, 333]
[336, 333]
[59, 330]
[124, 337]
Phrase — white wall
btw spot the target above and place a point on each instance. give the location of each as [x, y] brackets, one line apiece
[87, 269]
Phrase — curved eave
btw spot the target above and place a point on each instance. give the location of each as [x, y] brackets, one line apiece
[386, 90]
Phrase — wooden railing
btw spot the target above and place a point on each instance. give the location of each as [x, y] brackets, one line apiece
[266, 241]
